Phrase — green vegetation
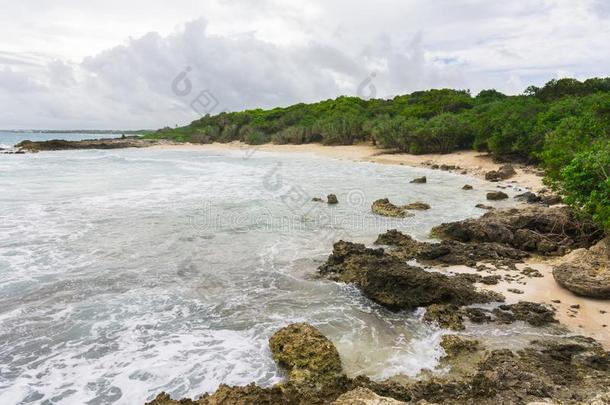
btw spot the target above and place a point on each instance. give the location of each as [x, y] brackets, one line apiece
[564, 126]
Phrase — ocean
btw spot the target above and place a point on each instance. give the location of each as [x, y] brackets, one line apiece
[125, 273]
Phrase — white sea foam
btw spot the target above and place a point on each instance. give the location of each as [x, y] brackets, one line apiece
[114, 285]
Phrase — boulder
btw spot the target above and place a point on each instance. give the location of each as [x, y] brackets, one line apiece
[305, 353]
[528, 197]
[497, 195]
[420, 180]
[385, 208]
[467, 187]
[332, 199]
[586, 272]
[503, 173]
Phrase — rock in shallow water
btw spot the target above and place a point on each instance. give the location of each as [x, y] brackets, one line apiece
[389, 281]
[332, 199]
[497, 195]
[305, 353]
[385, 208]
[420, 180]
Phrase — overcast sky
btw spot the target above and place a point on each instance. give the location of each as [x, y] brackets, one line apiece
[142, 63]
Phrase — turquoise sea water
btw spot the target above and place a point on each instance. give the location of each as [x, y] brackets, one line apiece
[128, 272]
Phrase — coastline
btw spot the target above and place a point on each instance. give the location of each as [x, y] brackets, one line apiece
[467, 162]
[590, 317]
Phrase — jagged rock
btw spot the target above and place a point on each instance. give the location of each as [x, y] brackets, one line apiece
[305, 353]
[550, 199]
[364, 396]
[533, 228]
[528, 197]
[562, 369]
[389, 281]
[332, 199]
[449, 252]
[467, 187]
[455, 345]
[417, 206]
[503, 173]
[387, 209]
[420, 180]
[533, 313]
[497, 195]
[446, 316]
[586, 272]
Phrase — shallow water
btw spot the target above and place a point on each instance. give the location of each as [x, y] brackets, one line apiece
[125, 273]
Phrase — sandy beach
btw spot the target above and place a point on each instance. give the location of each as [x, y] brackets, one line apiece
[471, 162]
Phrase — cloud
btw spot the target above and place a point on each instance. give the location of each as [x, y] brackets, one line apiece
[278, 53]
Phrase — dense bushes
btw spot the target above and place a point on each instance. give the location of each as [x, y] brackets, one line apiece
[564, 125]
[585, 182]
[547, 124]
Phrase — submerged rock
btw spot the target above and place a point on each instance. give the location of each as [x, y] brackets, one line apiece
[417, 206]
[385, 208]
[420, 180]
[586, 272]
[389, 281]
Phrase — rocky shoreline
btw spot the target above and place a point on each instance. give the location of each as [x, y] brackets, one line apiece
[108, 143]
[401, 273]
[559, 366]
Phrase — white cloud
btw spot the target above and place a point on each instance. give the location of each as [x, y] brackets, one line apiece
[67, 71]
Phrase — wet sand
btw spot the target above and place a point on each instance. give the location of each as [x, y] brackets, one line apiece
[591, 318]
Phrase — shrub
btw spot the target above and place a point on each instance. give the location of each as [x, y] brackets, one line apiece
[585, 182]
